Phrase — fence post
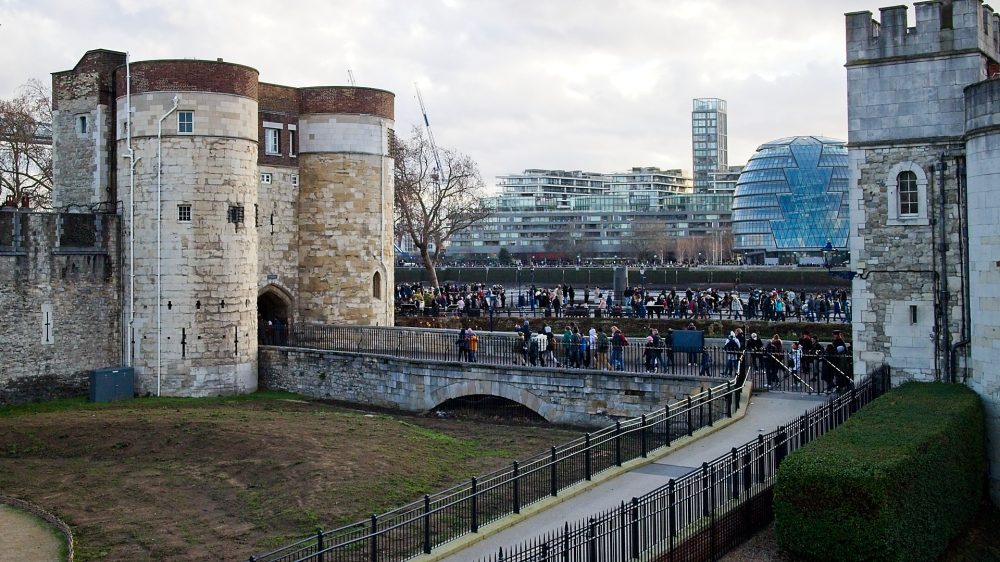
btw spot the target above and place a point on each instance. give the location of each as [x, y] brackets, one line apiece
[427, 524]
[592, 540]
[711, 408]
[760, 459]
[374, 540]
[635, 527]
[705, 487]
[517, 488]
[804, 429]
[475, 501]
[711, 487]
[618, 443]
[320, 555]
[623, 525]
[734, 458]
[747, 461]
[642, 435]
[672, 513]
[587, 457]
[854, 400]
[729, 399]
[780, 447]
[666, 421]
[565, 552]
[690, 430]
[554, 473]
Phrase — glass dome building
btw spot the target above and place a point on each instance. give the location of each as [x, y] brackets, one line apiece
[790, 200]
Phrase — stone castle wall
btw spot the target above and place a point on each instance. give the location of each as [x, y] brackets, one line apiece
[59, 304]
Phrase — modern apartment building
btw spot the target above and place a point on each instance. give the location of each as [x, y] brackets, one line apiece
[639, 214]
[709, 142]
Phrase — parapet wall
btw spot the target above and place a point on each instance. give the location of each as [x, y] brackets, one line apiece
[563, 396]
[59, 303]
[961, 25]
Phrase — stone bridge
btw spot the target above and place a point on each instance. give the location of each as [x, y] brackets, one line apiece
[580, 397]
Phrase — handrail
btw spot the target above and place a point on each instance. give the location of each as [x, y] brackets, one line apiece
[415, 514]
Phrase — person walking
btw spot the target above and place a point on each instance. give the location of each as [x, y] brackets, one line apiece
[775, 358]
[603, 344]
[618, 345]
[732, 349]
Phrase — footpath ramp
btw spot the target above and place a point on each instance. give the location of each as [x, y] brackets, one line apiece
[766, 412]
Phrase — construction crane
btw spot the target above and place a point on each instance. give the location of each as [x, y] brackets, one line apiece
[437, 173]
[350, 77]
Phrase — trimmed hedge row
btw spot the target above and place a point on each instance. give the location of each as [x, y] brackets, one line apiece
[895, 482]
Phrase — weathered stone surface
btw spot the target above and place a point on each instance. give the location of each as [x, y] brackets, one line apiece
[566, 396]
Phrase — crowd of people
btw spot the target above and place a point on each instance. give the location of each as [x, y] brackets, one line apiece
[831, 305]
[803, 363]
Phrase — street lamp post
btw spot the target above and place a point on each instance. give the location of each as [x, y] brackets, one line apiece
[520, 294]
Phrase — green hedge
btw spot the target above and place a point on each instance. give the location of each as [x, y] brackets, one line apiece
[895, 482]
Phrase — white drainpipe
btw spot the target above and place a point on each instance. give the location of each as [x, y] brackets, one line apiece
[159, 221]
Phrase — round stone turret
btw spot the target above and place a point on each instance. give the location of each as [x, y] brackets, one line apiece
[206, 341]
[345, 206]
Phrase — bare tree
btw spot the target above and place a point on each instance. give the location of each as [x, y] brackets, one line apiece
[647, 237]
[432, 205]
[25, 147]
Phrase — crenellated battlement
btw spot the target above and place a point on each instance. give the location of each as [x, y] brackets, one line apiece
[942, 27]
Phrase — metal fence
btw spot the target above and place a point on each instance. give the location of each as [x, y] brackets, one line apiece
[421, 526]
[502, 349]
[704, 514]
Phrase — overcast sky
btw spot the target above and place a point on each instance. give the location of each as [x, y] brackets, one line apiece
[596, 85]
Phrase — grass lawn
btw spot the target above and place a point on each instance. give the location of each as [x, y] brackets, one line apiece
[224, 478]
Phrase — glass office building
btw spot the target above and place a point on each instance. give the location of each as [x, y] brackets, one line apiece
[709, 141]
[638, 214]
[791, 198]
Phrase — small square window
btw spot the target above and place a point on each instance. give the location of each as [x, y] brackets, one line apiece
[265, 179]
[272, 141]
[236, 214]
[295, 180]
[185, 121]
[183, 213]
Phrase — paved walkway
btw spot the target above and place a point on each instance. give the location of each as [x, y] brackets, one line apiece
[766, 412]
[25, 538]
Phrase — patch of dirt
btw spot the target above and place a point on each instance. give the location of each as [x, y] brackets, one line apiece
[211, 480]
[25, 538]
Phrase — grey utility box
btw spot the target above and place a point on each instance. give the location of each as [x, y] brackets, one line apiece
[114, 383]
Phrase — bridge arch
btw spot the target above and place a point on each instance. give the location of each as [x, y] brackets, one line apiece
[493, 388]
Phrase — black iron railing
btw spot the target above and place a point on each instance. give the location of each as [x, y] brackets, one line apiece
[496, 348]
[419, 527]
[706, 513]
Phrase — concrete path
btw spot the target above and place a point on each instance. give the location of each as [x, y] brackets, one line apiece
[25, 538]
[766, 412]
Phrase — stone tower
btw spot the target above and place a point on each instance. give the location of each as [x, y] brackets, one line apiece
[924, 132]
[83, 152]
[906, 112]
[345, 206]
[195, 326]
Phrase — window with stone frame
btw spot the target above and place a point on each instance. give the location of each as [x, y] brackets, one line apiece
[906, 186]
[907, 194]
[377, 285]
[185, 121]
[183, 213]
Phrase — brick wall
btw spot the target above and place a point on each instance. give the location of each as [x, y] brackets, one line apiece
[59, 311]
[337, 99]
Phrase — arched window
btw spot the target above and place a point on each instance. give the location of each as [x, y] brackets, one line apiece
[907, 194]
[377, 285]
